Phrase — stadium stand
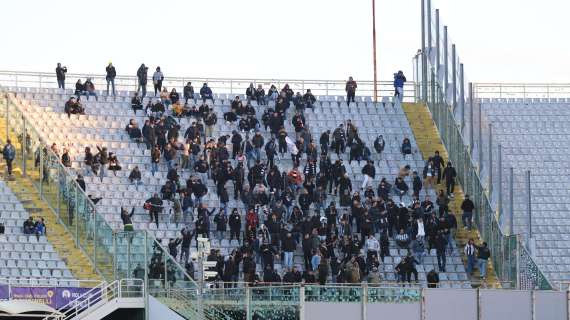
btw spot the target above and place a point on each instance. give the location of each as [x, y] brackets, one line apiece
[533, 137]
[104, 122]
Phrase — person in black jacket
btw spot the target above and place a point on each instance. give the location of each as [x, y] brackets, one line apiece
[173, 247]
[154, 207]
[449, 175]
[432, 279]
[235, 224]
[369, 172]
[467, 206]
[437, 161]
[60, 75]
[440, 246]
[188, 92]
[126, 217]
[142, 76]
[221, 221]
[324, 141]
[110, 77]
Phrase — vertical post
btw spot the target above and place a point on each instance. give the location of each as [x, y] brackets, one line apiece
[24, 146]
[115, 257]
[92, 215]
[374, 50]
[454, 77]
[500, 178]
[146, 286]
[364, 301]
[417, 85]
[302, 302]
[471, 118]
[511, 202]
[248, 314]
[166, 284]
[428, 30]
[76, 216]
[61, 185]
[480, 140]
[424, 58]
[490, 188]
[462, 95]
[129, 261]
[445, 63]
[437, 41]
[7, 118]
[41, 168]
[518, 263]
[529, 210]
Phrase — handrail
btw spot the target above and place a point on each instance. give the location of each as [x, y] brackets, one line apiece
[521, 90]
[227, 85]
[104, 292]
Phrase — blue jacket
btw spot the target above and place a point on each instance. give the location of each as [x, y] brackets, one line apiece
[206, 92]
[399, 81]
[9, 152]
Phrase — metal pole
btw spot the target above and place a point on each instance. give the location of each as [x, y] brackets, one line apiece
[146, 286]
[76, 217]
[374, 50]
[490, 188]
[438, 49]
[511, 202]
[428, 30]
[248, 314]
[116, 276]
[364, 301]
[480, 140]
[302, 302]
[7, 118]
[41, 168]
[445, 62]
[24, 146]
[462, 95]
[454, 77]
[471, 118]
[424, 58]
[529, 210]
[500, 178]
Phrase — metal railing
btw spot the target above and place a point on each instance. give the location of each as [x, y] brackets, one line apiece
[99, 296]
[232, 86]
[521, 90]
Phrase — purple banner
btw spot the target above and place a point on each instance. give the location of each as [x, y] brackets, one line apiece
[55, 297]
[4, 292]
[65, 295]
[43, 295]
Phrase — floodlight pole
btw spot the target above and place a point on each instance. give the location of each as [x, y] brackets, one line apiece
[374, 50]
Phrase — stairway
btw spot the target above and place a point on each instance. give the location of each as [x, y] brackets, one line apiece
[428, 141]
[61, 240]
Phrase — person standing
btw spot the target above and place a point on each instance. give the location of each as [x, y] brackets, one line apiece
[469, 251]
[110, 77]
[440, 246]
[9, 154]
[449, 175]
[483, 255]
[157, 79]
[60, 74]
[350, 90]
[142, 76]
[188, 92]
[399, 80]
[467, 206]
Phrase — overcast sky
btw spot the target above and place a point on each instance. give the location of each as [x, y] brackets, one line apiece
[498, 41]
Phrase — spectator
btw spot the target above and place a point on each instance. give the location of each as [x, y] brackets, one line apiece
[65, 158]
[429, 174]
[483, 255]
[154, 207]
[89, 89]
[379, 144]
[136, 103]
[437, 161]
[174, 96]
[467, 206]
[399, 80]
[142, 77]
[350, 89]
[126, 217]
[406, 148]
[309, 99]
[29, 226]
[110, 77]
[403, 240]
[79, 88]
[432, 279]
[469, 252]
[449, 174]
[260, 95]
[60, 75]
[73, 106]
[188, 92]
[157, 79]
[369, 172]
[114, 163]
[135, 176]
[206, 93]
[80, 182]
[250, 93]
[134, 131]
[440, 246]
[9, 153]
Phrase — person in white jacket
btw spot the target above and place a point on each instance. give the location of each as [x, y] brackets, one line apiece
[372, 247]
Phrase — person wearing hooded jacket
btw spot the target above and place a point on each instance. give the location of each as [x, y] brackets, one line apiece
[142, 77]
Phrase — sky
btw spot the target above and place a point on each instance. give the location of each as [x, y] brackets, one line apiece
[498, 41]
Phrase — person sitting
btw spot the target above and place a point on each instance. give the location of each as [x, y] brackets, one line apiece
[178, 109]
[136, 103]
[135, 176]
[206, 93]
[90, 89]
[188, 92]
[165, 97]
[29, 226]
[134, 131]
[73, 106]
[114, 163]
[40, 228]
[79, 88]
[403, 239]
[401, 187]
[174, 96]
